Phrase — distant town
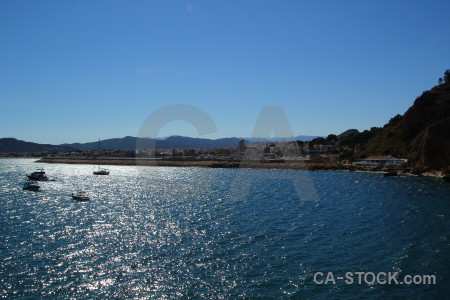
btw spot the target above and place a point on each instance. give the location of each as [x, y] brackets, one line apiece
[317, 151]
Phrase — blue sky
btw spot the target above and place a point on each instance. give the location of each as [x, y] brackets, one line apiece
[76, 71]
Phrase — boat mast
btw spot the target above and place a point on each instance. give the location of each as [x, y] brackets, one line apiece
[98, 167]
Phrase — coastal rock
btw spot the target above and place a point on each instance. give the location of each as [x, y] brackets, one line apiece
[422, 134]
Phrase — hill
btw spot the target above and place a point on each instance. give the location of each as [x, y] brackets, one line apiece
[128, 143]
[14, 145]
[353, 138]
[422, 134]
[179, 142]
[348, 132]
[303, 138]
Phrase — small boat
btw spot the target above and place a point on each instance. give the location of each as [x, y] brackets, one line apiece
[391, 173]
[101, 171]
[38, 175]
[31, 185]
[80, 196]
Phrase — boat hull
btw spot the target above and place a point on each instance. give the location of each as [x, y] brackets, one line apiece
[101, 173]
[37, 177]
[81, 198]
[31, 188]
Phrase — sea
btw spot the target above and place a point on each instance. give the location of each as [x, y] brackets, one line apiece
[199, 233]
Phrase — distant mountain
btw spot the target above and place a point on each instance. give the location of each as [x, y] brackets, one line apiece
[422, 134]
[14, 145]
[348, 133]
[126, 143]
[188, 142]
[304, 138]
[179, 142]
[131, 143]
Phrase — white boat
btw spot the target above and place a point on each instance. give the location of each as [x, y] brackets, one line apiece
[80, 196]
[101, 171]
[38, 175]
[31, 185]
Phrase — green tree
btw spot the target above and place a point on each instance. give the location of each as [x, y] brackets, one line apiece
[331, 138]
[319, 141]
[447, 76]
[395, 119]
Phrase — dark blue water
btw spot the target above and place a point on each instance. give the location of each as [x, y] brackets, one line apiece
[153, 232]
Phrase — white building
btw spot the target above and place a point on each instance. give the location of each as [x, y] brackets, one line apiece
[383, 161]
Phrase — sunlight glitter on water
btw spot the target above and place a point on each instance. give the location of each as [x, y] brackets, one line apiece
[177, 232]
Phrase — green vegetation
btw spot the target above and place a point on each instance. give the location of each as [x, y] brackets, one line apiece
[422, 134]
[318, 141]
[358, 139]
[332, 138]
[447, 76]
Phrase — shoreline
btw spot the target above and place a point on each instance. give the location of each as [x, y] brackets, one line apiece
[191, 163]
[286, 165]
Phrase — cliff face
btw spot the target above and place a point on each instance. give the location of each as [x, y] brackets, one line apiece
[431, 148]
[422, 134]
